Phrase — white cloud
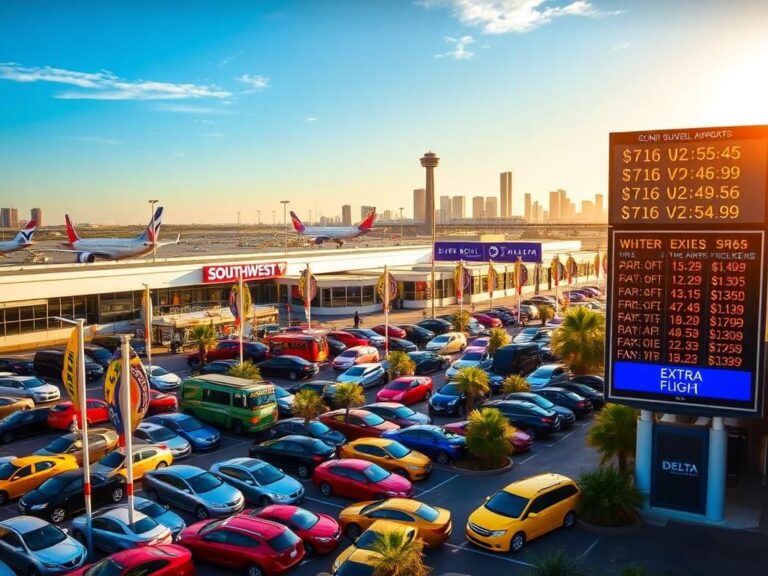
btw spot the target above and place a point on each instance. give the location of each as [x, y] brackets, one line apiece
[228, 59]
[105, 85]
[256, 81]
[92, 139]
[179, 154]
[622, 46]
[459, 51]
[504, 16]
[192, 109]
[311, 119]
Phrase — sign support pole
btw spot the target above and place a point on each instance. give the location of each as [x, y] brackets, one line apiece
[242, 315]
[491, 282]
[556, 273]
[460, 292]
[81, 392]
[308, 297]
[386, 311]
[644, 453]
[125, 407]
[718, 455]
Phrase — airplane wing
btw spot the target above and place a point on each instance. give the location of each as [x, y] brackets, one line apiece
[169, 243]
[320, 239]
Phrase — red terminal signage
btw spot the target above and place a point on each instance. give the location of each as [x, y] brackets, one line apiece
[224, 273]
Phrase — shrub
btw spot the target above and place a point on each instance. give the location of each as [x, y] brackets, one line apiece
[608, 497]
[499, 338]
[400, 364]
[580, 340]
[515, 383]
[460, 321]
[347, 395]
[489, 437]
[473, 382]
[308, 404]
[247, 370]
[546, 312]
[614, 433]
[556, 563]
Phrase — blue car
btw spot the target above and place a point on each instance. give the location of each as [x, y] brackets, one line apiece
[259, 481]
[160, 514]
[201, 436]
[33, 546]
[437, 443]
[113, 531]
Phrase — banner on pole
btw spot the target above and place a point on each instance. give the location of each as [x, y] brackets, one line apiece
[571, 269]
[521, 276]
[493, 279]
[307, 294]
[139, 389]
[558, 271]
[386, 299]
[234, 303]
[146, 313]
[597, 265]
[70, 369]
[462, 280]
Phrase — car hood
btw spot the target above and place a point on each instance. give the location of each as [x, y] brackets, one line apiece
[386, 425]
[223, 494]
[172, 521]
[433, 347]
[338, 361]
[203, 433]
[334, 437]
[44, 389]
[390, 394]
[325, 527]
[35, 497]
[167, 378]
[484, 518]
[395, 483]
[440, 399]
[415, 458]
[65, 551]
[177, 443]
[286, 485]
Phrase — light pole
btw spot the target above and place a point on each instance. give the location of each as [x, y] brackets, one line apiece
[401, 223]
[258, 212]
[285, 224]
[154, 240]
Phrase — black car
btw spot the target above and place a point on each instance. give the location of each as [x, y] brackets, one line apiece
[448, 400]
[323, 388]
[436, 325]
[528, 417]
[50, 363]
[113, 341]
[99, 354]
[297, 453]
[401, 344]
[567, 416]
[335, 347]
[19, 366]
[291, 367]
[284, 401]
[597, 399]
[429, 362]
[217, 367]
[23, 423]
[592, 380]
[567, 399]
[417, 334]
[400, 414]
[61, 496]
[314, 429]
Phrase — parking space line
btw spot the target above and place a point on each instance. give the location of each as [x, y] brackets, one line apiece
[438, 486]
[496, 556]
[531, 457]
[324, 502]
[588, 550]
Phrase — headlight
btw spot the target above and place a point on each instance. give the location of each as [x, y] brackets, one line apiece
[453, 402]
[38, 506]
[281, 496]
[497, 533]
[414, 467]
[324, 539]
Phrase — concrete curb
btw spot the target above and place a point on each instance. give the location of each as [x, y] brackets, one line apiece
[510, 464]
[609, 529]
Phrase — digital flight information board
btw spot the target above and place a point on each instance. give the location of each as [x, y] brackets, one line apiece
[687, 270]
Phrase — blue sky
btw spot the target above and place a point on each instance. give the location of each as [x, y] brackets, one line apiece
[215, 107]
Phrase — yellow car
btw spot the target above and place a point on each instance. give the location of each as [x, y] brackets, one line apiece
[433, 524]
[19, 476]
[359, 563]
[11, 405]
[101, 441]
[390, 455]
[364, 541]
[146, 457]
[522, 511]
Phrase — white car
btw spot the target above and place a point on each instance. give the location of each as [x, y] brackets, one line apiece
[29, 387]
[471, 357]
[447, 343]
[547, 375]
[355, 355]
[162, 380]
[366, 375]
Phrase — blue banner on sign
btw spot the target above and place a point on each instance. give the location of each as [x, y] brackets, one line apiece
[487, 251]
[692, 382]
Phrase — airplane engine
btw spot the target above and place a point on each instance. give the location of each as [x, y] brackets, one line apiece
[85, 257]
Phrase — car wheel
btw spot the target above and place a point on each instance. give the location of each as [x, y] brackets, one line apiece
[531, 432]
[254, 570]
[442, 457]
[7, 437]
[308, 549]
[58, 515]
[264, 501]
[237, 427]
[161, 464]
[292, 375]
[303, 471]
[326, 489]
[117, 494]
[427, 395]
[353, 531]
[517, 542]
[201, 512]
[569, 520]
[3, 498]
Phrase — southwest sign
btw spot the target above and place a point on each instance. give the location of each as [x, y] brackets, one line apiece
[488, 251]
[221, 273]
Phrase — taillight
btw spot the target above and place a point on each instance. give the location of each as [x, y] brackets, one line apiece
[547, 420]
[583, 403]
[318, 458]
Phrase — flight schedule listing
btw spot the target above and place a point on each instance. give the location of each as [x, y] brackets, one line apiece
[685, 316]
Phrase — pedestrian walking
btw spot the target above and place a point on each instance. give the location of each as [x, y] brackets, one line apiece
[357, 320]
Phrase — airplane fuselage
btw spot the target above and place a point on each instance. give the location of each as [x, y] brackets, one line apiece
[113, 248]
[333, 233]
[12, 246]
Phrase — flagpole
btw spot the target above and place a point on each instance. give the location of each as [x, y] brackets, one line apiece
[148, 322]
[242, 316]
[556, 275]
[460, 293]
[386, 312]
[81, 393]
[518, 288]
[125, 408]
[491, 282]
[308, 297]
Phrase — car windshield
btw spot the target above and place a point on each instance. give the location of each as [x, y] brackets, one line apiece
[267, 475]
[348, 354]
[11, 418]
[427, 513]
[583, 389]
[190, 424]
[367, 539]
[376, 473]
[397, 450]
[543, 372]
[113, 459]
[355, 371]
[161, 434]
[350, 568]
[257, 399]
[440, 340]
[158, 371]
[541, 401]
[404, 412]
[43, 537]
[32, 383]
[373, 419]
[59, 446]
[152, 509]
[472, 356]
[571, 395]
[304, 519]
[286, 539]
[52, 486]
[281, 392]
[204, 482]
[7, 470]
[107, 567]
[142, 526]
[317, 428]
[506, 504]
[398, 385]
[450, 389]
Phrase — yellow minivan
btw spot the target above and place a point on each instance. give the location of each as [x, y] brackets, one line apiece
[522, 511]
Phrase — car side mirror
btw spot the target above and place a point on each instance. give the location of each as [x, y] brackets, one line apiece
[187, 491]
[487, 498]
[531, 515]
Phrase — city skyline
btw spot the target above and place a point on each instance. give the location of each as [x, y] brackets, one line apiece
[214, 111]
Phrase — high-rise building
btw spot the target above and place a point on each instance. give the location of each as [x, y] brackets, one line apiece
[505, 194]
[564, 205]
[599, 206]
[419, 204]
[429, 162]
[588, 210]
[527, 215]
[537, 214]
[491, 207]
[37, 214]
[9, 218]
[457, 207]
[554, 205]
[346, 215]
[386, 215]
[478, 207]
[445, 207]
[441, 216]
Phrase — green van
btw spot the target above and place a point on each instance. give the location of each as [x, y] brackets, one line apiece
[229, 402]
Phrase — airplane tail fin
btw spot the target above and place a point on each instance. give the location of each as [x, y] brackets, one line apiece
[297, 224]
[24, 237]
[71, 234]
[152, 232]
[367, 222]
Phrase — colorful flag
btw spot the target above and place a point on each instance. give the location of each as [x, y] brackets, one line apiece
[69, 372]
[234, 303]
[571, 269]
[556, 270]
[493, 279]
[146, 313]
[386, 297]
[462, 280]
[307, 288]
[597, 265]
[521, 275]
[139, 384]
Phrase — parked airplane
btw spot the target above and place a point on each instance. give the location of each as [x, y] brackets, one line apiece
[334, 233]
[116, 248]
[21, 241]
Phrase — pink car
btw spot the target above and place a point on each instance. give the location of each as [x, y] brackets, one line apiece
[394, 331]
[487, 321]
[406, 390]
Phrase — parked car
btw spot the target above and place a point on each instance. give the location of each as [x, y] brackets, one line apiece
[217, 367]
[193, 489]
[390, 455]
[101, 441]
[162, 380]
[201, 436]
[18, 366]
[31, 387]
[470, 358]
[391, 331]
[146, 457]
[436, 325]
[516, 358]
[284, 401]
[30, 545]
[62, 495]
[51, 362]
[436, 442]
[532, 419]
[265, 330]
[595, 397]
[577, 403]
[495, 381]
[567, 417]
[320, 533]
[360, 424]
[355, 355]
[372, 338]
[532, 334]
[151, 433]
[592, 380]
[335, 347]
[448, 343]
[522, 511]
[113, 341]
[366, 375]
[62, 415]
[23, 423]
[398, 413]
[164, 560]
[548, 375]
[98, 354]
[401, 345]
[113, 531]
[406, 390]
[520, 441]
[429, 362]
[248, 545]
[359, 558]
[9, 405]
[448, 400]
[259, 481]
[487, 320]
[296, 453]
[160, 402]
[160, 513]
[230, 349]
[349, 339]
[20, 475]
[288, 366]
[417, 334]
[312, 429]
[359, 480]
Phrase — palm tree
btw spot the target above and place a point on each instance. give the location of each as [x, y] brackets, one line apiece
[489, 437]
[472, 382]
[499, 338]
[347, 395]
[398, 556]
[204, 337]
[608, 497]
[400, 364]
[556, 563]
[308, 404]
[580, 340]
[247, 370]
[515, 383]
[460, 321]
[614, 433]
[546, 312]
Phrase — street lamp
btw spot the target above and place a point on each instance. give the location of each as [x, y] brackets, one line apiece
[154, 239]
[285, 224]
[401, 223]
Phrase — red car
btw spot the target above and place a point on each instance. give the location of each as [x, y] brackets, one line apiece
[394, 331]
[521, 442]
[487, 321]
[160, 560]
[362, 424]
[160, 402]
[320, 533]
[360, 480]
[349, 340]
[61, 416]
[406, 390]
[245, 544]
